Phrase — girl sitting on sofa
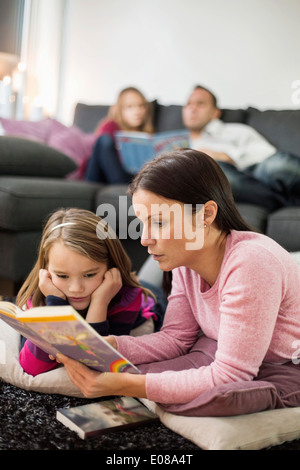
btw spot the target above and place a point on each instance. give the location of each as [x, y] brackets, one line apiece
[132, 112]
[82, 264]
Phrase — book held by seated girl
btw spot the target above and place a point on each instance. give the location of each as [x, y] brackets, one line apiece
[137, 148]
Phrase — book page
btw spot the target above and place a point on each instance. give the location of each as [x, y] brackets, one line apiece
[8, 308]
[169, 141]
[27, 332]
[135, 149]
[70, 334]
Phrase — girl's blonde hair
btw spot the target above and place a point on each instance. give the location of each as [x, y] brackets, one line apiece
[115, 111]
[86, 234]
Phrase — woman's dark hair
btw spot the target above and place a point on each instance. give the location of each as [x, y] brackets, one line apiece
[191, 177]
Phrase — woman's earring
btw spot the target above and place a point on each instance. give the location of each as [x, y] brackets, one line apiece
[205, 225]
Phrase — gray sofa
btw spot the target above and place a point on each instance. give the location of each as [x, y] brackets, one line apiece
[33, 183]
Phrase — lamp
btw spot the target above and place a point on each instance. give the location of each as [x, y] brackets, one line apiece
[8, 63]
[12, 86]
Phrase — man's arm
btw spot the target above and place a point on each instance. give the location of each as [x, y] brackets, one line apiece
[218, 156]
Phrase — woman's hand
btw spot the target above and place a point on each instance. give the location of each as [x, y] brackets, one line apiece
[94, 384]
[46, 285]
[112, 341]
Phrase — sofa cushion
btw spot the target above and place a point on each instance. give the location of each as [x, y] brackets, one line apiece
[280, 127]
[168, 118]
[284, 227]
[234, 115]
[25, 157]
[87, 116]
[255, 216]
[18, 252]
[26, 202]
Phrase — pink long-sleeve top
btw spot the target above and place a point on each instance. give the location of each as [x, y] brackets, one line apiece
[252, 310]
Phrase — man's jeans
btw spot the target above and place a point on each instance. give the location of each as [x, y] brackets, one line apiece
[272, 184]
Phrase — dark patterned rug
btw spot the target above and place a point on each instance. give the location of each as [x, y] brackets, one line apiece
[28, 422]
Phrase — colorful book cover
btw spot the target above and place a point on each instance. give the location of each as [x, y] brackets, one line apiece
[104, 416]
[137, 148]
[62, 329]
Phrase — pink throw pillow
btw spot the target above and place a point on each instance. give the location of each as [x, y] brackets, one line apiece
[73, 142]
[28, 129]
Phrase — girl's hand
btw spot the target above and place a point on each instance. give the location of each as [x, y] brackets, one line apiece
[100, 298]
[46, 285]
[112, 283]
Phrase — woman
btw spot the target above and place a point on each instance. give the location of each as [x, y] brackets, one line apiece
[240, 289]
[132, 112]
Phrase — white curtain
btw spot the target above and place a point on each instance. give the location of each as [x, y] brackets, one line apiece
[41, 52]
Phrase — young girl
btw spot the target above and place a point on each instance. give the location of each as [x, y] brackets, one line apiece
[132, 112]
[81, 264]
[230, 333]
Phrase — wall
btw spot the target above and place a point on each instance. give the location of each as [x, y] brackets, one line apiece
[247, 52]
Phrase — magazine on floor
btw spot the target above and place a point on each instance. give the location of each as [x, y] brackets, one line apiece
[104, 416]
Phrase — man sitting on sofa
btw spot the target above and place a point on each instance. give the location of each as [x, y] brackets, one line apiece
[258, 173]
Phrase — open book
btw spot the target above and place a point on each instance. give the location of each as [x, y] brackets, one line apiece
[137, 148]
[62, 329]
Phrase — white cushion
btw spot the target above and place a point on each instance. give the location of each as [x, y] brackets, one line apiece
[54, 381]
[247, 432]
